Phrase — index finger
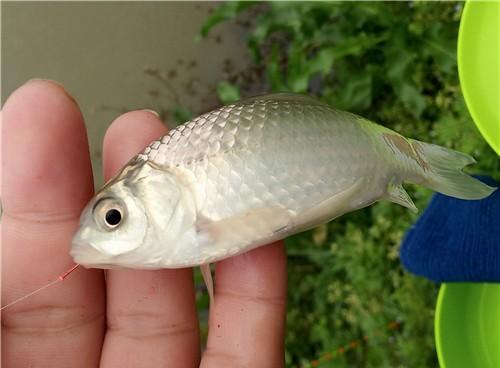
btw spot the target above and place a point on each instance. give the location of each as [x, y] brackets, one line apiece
[46, 182]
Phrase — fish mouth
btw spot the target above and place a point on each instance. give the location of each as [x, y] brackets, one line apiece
[83, 259]
[86, 255]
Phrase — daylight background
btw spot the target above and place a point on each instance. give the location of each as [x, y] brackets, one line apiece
[350, 302]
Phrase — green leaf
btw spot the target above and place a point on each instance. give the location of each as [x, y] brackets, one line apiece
[440, 46]
[356, 94]
[323, 61]
[411, 98]
[225, 11]
[274, 72]
[297, 78]
[228, 93]
[398, 66]
[181, 114]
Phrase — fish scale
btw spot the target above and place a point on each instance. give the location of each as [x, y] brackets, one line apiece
[318, 153]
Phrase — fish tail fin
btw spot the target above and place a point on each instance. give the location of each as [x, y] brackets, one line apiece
[442, 172]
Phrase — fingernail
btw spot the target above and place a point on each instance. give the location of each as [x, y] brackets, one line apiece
[35, 80]
[152, 112]
[55, 83]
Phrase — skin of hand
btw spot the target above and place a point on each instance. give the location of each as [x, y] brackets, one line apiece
[130, 318]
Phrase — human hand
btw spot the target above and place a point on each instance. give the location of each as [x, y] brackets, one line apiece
[133, 318]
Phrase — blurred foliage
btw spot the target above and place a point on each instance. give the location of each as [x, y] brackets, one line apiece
[394, 63]
[227, 92]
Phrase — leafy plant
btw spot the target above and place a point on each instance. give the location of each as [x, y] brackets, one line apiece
[395, 64]
[227, 92]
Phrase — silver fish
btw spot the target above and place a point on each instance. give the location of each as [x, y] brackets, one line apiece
[253, 172]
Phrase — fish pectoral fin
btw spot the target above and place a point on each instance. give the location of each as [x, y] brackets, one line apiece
[260, 225]
[209, 282]
[397, 194]
[330, 208]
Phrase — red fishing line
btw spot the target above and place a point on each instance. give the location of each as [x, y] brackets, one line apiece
[60, 278]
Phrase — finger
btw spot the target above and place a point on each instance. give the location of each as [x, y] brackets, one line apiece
[46, 182]
[247, 322]
[152, 319]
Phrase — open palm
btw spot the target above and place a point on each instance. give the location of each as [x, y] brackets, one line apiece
[130, 318]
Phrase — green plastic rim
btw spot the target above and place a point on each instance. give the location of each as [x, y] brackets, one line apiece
[479, 66]
[467, 325]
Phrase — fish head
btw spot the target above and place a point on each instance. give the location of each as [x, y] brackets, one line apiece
[130, 222]
[112, 225]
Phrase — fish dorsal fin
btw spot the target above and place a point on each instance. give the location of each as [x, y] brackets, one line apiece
[284, 96]
[397, 194]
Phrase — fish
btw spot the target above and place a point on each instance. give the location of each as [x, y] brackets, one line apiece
[251, 173]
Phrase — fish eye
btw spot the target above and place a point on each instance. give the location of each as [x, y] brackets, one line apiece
[113, 217]
[109, 213]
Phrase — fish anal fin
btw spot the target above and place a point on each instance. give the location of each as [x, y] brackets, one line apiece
[209, 282]
[397, 194]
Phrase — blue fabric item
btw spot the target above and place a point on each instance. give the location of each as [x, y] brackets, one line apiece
[456, 240]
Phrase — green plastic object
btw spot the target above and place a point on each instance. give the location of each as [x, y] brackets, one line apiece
[467, 325]
[479, 66]
[467, 321]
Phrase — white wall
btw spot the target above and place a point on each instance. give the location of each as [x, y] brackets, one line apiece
[99, 50]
